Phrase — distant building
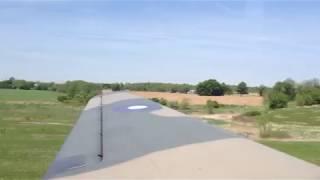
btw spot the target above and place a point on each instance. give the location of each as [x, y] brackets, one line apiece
[192, 91]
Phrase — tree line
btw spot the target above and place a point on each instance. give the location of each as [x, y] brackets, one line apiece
[304, 94]
[156, 87]
[13, 83]
[213, 87]
[82, 91]
[75, 91]
[209, 88]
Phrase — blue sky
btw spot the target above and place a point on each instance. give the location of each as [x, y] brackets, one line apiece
[259, 42]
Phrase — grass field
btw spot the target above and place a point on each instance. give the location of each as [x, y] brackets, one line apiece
[308, 151]
[301, 123]
[296, 115]
[33, 126]
[28, 96]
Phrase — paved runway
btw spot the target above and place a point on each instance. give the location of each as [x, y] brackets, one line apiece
[124, 136]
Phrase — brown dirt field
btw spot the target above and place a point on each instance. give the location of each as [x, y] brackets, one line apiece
[249, 100]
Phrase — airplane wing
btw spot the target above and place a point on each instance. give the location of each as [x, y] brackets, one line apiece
[119, 136]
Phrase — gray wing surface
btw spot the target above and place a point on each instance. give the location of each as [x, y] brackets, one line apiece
[111, 140]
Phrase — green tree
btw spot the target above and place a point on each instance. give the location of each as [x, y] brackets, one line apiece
[28, 85]
[52, 86]
[304, 99]
[80, 90]
[174, 90]
[278, 100]
[22, 84]
[10, 81]
[117, 87]
[18, 84]
[242, 88]
[62, 98]
[42, 86]
[210, 87]
[6, 84]
[308, 95]
[72, 89]
[286, 87]
[159, 87]
[262, 90]
[183, 88]
[226, 89]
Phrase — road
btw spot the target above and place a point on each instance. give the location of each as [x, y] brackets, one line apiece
[120, 135]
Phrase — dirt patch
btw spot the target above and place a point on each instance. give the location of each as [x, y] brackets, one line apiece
[244, 119]
[248, 100]
[247, 130]
[235, 123]
[225, 116]
[247, 127]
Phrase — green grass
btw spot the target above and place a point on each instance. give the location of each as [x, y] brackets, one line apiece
[31, 134]
[216, 122]
[201, 109]
[30, 95]
[309, 116]
[308, 151]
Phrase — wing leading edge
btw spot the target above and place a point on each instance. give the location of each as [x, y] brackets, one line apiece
[111, 140]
